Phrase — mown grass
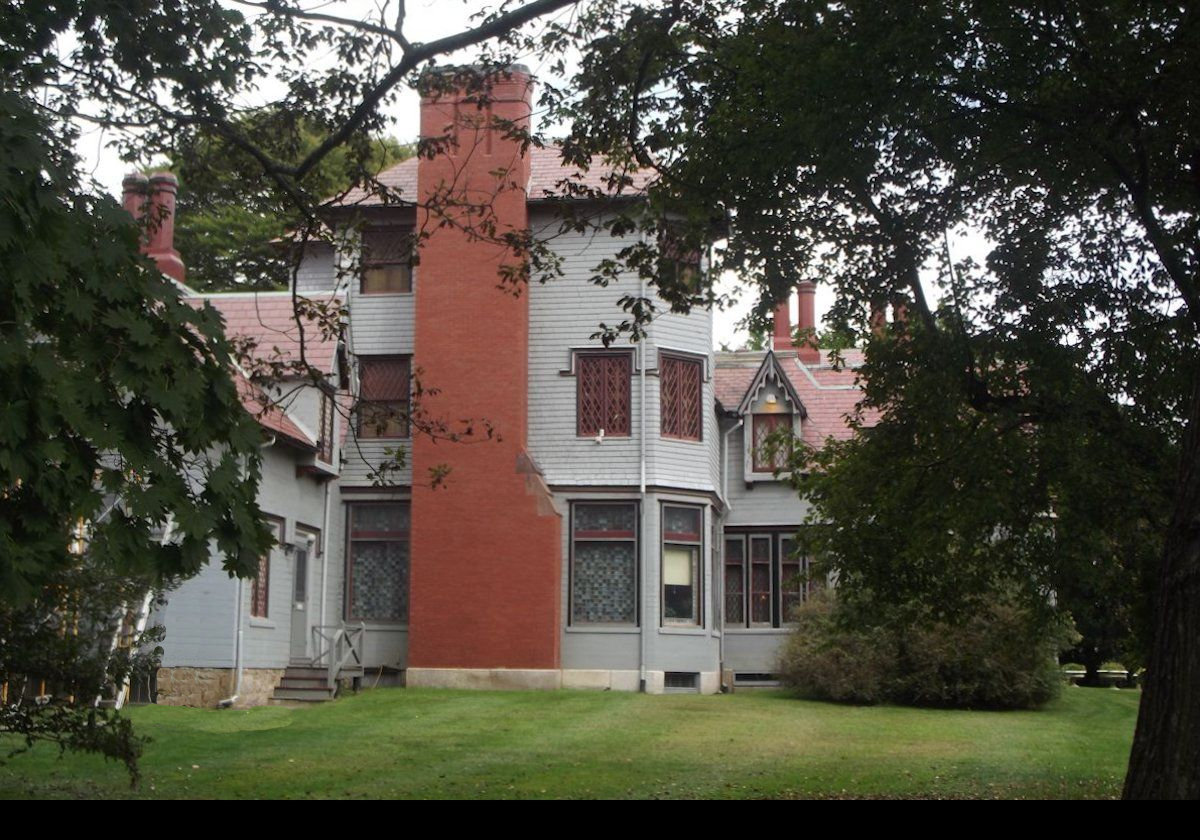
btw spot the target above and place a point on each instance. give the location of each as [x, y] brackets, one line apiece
[429, 743]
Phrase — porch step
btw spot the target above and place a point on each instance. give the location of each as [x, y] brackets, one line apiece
[303, 684]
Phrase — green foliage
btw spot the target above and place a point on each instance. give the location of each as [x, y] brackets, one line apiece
[235, 229]
[1003, 656]
[115, 394]
[855, 144]
[65, 652]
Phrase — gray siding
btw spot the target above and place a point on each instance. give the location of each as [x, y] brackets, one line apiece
[199, 620]
[760, 503]
[200, 616]
[563, 314]
[317, 272]
[382, 324]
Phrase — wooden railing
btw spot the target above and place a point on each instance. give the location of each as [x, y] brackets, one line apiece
[336, 646]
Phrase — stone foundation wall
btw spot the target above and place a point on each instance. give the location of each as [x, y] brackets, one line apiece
[205, 687]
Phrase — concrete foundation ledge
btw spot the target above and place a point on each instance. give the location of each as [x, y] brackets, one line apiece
[496, 679]
[599, 680]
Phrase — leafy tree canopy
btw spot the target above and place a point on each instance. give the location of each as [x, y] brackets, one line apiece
[233, 227]
[1040, 421]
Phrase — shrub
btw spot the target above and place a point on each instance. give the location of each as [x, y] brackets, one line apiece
[1001, 657]
[826, 662]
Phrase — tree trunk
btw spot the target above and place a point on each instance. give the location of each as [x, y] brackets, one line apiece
[1165, 760]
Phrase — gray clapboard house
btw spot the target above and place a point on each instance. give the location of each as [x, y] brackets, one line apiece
[627, 532]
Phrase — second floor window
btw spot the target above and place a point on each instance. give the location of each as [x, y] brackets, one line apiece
[680, 384]
[602, 395]
[386, 261]
[383, 397]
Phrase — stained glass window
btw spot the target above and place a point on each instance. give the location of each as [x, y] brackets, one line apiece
[378, 562]
[604, 563]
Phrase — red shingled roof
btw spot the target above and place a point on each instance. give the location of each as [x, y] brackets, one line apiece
[545, 177]
[269, 319]
[829, 396]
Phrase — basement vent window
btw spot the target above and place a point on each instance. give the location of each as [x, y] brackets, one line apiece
[755, 678]
[681, 681]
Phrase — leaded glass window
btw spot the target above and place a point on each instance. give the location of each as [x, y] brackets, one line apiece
[680, 397]
[766, 579]
[767, 457]
[604, 563]
[387, 261]
[260, 586]
[602, 394]
[735, 581]
[378, 562]
[760, 581]
[383, 396]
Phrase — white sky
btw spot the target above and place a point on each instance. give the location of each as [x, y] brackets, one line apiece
[427, 20]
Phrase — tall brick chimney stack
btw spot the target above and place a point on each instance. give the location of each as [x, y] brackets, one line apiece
[134, 190]
[153, 199]
[781, 339]
[808, 351]
[486, 560]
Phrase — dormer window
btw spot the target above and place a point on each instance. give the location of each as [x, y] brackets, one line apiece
[770, 410]
[767, 456]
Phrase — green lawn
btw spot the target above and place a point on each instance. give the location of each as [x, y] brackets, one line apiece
[429, 743]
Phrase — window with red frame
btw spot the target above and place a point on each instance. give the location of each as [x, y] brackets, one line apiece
[383, 397]
[681, 390]
[682, 564]
[260, 586]
[767, 458]
[377, 562]
[602, 393]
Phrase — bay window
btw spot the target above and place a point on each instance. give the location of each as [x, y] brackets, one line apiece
[681, 396]
[604, 564]
[386, 261]
[602, 401]
[682, 548]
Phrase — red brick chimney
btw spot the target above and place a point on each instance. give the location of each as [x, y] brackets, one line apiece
[134, 189]
[808, 351]
[153, 198]
[782, 337]
[486, 547]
